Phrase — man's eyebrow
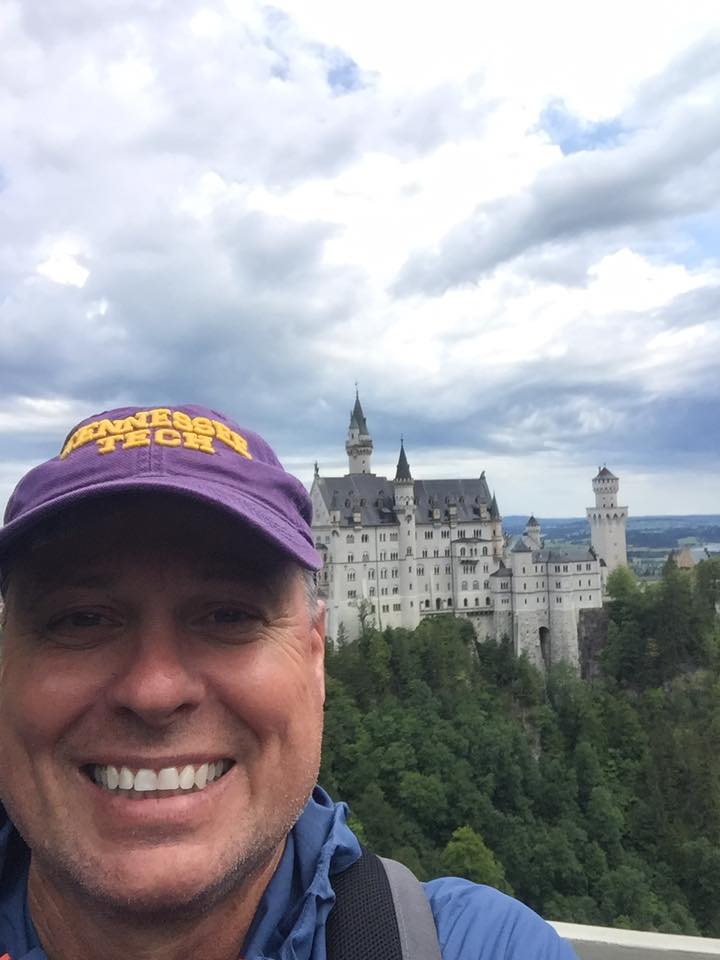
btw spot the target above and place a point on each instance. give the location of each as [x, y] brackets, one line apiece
[42, 586]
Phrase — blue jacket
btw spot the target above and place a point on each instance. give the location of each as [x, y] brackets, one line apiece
[474, 922]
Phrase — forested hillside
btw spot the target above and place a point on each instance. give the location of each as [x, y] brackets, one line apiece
[594, 803]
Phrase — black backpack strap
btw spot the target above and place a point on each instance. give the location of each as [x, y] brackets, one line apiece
[380, 913]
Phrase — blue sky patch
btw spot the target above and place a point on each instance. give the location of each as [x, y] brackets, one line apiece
[573, 135]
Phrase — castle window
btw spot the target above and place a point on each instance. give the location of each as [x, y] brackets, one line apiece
[476, 585]
[449, 603]
[350, 538]
[366, 557]
[436, 570]
[408, 552]
[464, 585]
[385, 608]
[436, 553]
[565, 568]
[371, 574]
[558, 584]
[588, 566]
[383, 555]
[395, 591]
[524, 585]
[558, 599]
[364, 538]
[351, 575]
[393, 536]
[486, 584]
[383, 591]
[557, 569]
[589, 583]
[579, 583]
[477, 534]
[427, 604]
[383, 574]
[579, 567]
[397, 606]
[485, 568]
[523, 569]
[525, 601]
[445, 534]
[371, 591]
[421, 571]
[447, 568]
[428, 534]
[424, 553]
[447, 552]
[394, 555]
[382, 536]
[394, 573]
[465, 602]
[351, 558]
[462, 534]
[462, 551]
[485, 552]
[351, 594]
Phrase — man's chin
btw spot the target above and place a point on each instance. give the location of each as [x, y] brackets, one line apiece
[156, 884]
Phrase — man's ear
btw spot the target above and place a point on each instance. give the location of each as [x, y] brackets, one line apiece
[318, 642]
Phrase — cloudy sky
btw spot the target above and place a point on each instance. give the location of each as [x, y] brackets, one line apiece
[501, 220]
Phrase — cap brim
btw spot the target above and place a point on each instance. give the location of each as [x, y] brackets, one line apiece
[235, 503]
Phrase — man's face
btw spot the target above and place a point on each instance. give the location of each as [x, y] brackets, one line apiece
[154, 635]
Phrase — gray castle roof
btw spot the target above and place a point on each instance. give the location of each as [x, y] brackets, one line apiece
[604, 474]
[403, 467]
[374, 498]
[521, 547]
[357, 417]
[564, 555]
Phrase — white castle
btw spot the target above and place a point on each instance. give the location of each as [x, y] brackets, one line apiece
[403, 549]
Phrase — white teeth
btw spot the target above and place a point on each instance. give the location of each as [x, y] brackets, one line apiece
[187, 777]
[126, 779]
[145, 780]
[168, 779]
[150, 781]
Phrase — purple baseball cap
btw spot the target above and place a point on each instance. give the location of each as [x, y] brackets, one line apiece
[188, 450]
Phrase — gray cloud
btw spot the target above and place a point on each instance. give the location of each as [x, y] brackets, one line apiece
[656, 173]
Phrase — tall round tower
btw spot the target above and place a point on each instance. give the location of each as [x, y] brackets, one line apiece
[607, 521]
[405, 509]
[359, 445]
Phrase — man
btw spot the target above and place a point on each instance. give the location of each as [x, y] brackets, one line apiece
[161, 695]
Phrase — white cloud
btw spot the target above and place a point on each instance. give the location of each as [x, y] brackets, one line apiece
[222, 196]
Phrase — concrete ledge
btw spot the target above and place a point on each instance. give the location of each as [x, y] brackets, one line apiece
[608, 943]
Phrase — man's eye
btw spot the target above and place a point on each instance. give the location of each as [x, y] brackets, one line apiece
[81, 618]
[230, 615]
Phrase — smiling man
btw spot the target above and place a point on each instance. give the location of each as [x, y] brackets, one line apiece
[161, 699]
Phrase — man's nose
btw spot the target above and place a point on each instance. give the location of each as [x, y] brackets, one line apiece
[158, 679]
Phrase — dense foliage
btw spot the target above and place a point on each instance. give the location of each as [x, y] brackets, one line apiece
[592, 802]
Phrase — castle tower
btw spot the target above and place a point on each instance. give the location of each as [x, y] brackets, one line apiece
[404, 487]
[358, 445]
[607, 521]
[532, 534]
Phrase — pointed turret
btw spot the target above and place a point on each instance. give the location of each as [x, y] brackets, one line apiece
[358, 445]
[402, 474]
[357, 417]
[494, 511]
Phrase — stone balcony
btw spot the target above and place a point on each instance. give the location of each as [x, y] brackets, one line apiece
[607, 943]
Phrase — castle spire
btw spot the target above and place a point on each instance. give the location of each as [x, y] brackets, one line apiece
[359, 445]
[402, 474]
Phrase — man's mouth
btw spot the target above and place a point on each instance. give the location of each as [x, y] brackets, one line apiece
[146, 783]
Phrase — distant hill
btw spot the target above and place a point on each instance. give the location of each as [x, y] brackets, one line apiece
[657, 532]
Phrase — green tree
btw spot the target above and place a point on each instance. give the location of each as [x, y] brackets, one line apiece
[467, 855]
